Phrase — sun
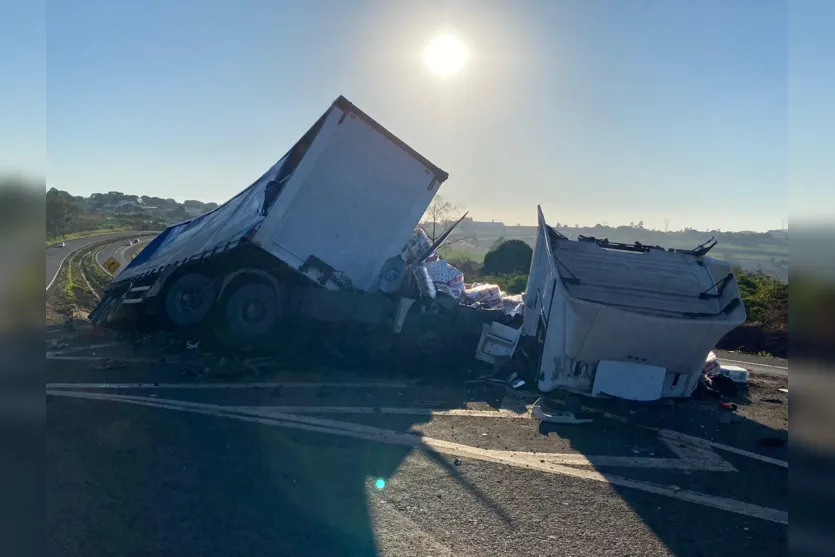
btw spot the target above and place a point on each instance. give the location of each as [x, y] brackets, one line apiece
[445, 55]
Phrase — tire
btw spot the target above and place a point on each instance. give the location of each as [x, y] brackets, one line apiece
[251, 311]
[190, 299]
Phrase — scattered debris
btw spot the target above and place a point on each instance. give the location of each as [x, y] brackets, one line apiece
[724, 385]
[192, 345]
[720, 378]
[457, 462]
[772, 400]
[56, 343]
[734, 373]
[784, 391]
[728, 406]
[542, 412]
[705, 387]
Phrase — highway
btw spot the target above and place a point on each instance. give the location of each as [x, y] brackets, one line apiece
[121, 251]
[55, 256]
[153, 451]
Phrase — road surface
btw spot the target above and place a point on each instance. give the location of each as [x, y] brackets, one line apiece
[121, 251]
[778, 367]
[55, 256]
[161, 453]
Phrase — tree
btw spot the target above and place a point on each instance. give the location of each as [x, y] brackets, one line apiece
[439, 216]
[499, 241]
[512, 256]
[59, 212]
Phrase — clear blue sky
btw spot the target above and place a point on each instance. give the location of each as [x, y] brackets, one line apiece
[599, 110]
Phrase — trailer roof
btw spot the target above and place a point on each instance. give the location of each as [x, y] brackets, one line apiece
[347, 106]
[654, 280]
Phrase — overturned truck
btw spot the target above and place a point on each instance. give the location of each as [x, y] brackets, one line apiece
[324, 247]
[316, 239]
[626, 320]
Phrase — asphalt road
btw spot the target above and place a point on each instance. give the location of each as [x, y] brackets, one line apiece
[121, 251]
[778, 367]
[55, 256]
[185, 454]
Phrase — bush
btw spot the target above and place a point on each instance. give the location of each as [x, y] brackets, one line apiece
[766, 299]
[512, 256]
[469, 267]
[515, 284]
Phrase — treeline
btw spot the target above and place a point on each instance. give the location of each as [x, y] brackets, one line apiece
[66, 214]
[766, 298]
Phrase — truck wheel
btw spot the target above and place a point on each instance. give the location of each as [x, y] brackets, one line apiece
[190, 299]
[252, 310]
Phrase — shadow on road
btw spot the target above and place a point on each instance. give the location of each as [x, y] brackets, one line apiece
[131, 480]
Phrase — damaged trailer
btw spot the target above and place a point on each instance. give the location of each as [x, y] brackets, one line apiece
[624, 320]
[318, 237]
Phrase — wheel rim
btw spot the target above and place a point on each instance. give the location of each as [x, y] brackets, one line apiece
[188, 300]
[252, 311]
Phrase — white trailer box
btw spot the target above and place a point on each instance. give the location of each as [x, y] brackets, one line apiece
[312, 233]
[631, 321]
[347, 197]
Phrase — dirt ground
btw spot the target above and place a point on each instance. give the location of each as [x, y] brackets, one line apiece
[76, 302]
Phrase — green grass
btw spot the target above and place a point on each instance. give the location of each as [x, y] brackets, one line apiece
[85, 234]
[69, 288]
[88, 233]
[462, 253]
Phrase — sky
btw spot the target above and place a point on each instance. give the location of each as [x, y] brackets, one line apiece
[601, 111]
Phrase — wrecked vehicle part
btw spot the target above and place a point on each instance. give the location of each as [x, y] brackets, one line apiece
[276, 253]
[588, 304]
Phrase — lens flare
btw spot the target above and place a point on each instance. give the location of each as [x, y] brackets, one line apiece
[380, 483]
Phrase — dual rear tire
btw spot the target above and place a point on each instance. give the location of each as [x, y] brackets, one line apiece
[247, 311]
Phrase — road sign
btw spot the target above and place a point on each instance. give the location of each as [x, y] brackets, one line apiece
[111, 265]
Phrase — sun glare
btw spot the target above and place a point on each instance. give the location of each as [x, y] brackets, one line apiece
[445, 55]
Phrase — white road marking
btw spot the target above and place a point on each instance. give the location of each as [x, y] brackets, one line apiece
[100, 358]
[253, 385]
[87, 282]
[520, 460]
[61, 264]
[81, 349]
[743, 363]
[463, 412]
[689, 439]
